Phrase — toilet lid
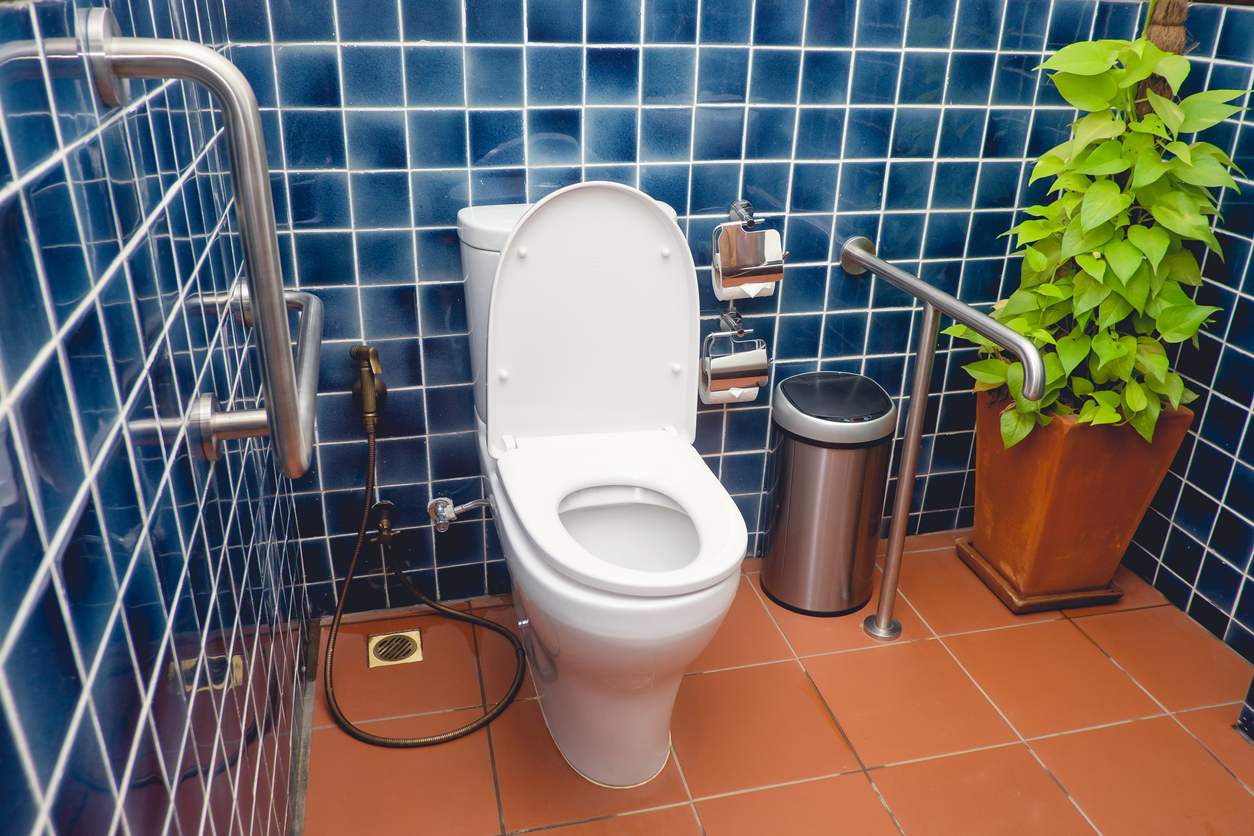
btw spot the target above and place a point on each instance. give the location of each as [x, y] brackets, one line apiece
[593, 320]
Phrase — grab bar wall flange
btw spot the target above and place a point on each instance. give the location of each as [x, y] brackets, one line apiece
[289, 410]
[857, 256]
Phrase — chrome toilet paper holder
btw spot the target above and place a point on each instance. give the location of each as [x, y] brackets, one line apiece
[732, 370]
[747, 262]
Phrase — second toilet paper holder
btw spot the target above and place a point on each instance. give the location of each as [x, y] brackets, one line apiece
[735, 373]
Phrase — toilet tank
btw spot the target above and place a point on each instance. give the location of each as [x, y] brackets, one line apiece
[483, 231]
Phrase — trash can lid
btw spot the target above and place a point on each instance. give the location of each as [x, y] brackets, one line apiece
[834, 407]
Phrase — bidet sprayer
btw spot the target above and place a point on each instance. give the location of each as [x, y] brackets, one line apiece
[370, 392]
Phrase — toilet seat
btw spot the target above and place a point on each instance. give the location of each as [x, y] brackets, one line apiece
[539, 473]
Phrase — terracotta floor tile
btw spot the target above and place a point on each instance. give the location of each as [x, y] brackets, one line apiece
[538, 787]
[951, 599]
[906, 701]
[1172, 656]
[751, 565]
[1147, 778]
[994, 791]
[810, 635]
[497, 659]
[446, 678]
[1049, 678]
[671, 821]
[928, 542]
[811, 808]
[1137, 594]
[1214, 727]
[747, 635]
[446, 789]
[491, 602]
[753, 727]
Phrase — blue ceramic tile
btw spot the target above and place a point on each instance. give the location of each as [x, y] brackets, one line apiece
[722, 75]
[446, 360]
[308, 76]
[796, 337]
[1236, 38]
[844, 335]
[554, 75]
[778, 22]
[715, 186]
[343, 320]
[494, 21]
[667, 183]
[314, 138]
[1117, 20]
[311, 21]
[726, 22]
[625, 174]
[23, 324]
[1235, 376]
[670, 21]
[389, 311]
[1070, 21]
[93, 386]
[454, 456]
[438, 196]
[486, 187]
[450, 409]
[830, 23]
[257, 65]
[431, 20]
[443, 309]
[908, 185]
[946, 235]
[930, 24]
[613, 75]
[1209, 469]
[372, 76]
[820, 133]
[970, 77]
[978, 24]
[1014, 82]
[554, 136]
[437, 138]
[881, 24]
[27, 115]
[1049, 128]
[718, 133]
[402, 460]
[775, 74]
[669, 75]
[496, 137]
[665, 134]
[364, 20]
[901, 233]
[766, 186]
[1223, 423]
[375, 139]
[613, 22]
[1006, 134]
[808, 238]
[867, 134]
[874, 78]
[494, 77]
[861, 187]
[458, 582]
[742, 472]
[1233, 538]
[825, 77]
[319, 200]
[21, 550]
[999, 185]
[433, 75]
[769, 133]
[814, 187]
[962, 133]
[915, 132]
[380, 200]
[555, 21]
[1183, 555]
[610, 136]
[544, 181]
[248, 21]
[44, 413]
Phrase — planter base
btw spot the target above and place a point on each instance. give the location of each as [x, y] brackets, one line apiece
[1019, 604]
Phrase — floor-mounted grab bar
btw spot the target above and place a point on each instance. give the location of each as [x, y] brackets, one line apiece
[289, 399]
[857, 256]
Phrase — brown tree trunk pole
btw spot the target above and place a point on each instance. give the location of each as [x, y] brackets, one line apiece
[1165, 30]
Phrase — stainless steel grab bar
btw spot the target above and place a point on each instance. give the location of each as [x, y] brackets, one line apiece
[289, 400]
[857, 256]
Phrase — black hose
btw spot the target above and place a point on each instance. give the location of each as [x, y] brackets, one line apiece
[408, 742]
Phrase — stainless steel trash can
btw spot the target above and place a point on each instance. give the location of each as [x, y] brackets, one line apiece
[832, 435]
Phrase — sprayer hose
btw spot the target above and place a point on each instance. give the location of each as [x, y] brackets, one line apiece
[408, 742]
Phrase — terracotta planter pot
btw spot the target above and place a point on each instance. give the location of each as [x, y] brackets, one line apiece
[1055, 513]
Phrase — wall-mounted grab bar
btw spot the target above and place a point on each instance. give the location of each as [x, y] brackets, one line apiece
[857, 256]
[289, 400]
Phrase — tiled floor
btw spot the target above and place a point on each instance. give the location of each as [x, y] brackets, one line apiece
[1116, 720]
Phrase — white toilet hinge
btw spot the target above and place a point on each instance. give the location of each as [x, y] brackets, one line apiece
[508, 442]
[671, 431]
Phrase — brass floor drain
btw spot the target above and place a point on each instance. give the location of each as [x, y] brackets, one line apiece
[393, 648]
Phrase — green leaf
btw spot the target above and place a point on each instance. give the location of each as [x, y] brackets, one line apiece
[1076, 240]
[1182, 266]
[1081, 386]
[1105, 415]
[1143, 422]
[1175, 69]
[1134, 397]
[1206, 109]
[1152, 241]
[1021, 301]
[1091, 128]
[1035, 259]
[1030, 231]
[1095, 267]
[1205, 171]
[1179, 323]
[1112, 310]
[1152, 358]
[1015, 427]
[1084, 58]
[1106, 158]
[1137, 289]
[1123, 258]
[1179, 213]
[1086, 92]
[1172, 388]
[1150, 124]
[1167, 110]
[991, 370]
[1046, 166]
[1149, 167]
[1180, 150]
[1102, 202]
[1089, 292]
[1072, 349]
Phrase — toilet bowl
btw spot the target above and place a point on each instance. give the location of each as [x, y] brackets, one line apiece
[623, 547]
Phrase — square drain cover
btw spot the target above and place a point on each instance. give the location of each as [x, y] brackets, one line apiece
[396, 648]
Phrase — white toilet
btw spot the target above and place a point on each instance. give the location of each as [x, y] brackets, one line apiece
[624, 548]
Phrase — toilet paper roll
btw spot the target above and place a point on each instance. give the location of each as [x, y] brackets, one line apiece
[730, 395]
[753, 290]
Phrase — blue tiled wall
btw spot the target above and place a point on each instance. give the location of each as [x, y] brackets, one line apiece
[150, 605]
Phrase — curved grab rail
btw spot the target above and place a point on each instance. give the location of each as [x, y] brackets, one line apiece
[857, 256]
[289, 402]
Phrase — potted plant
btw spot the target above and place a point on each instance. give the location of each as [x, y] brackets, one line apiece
[1061, 483]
